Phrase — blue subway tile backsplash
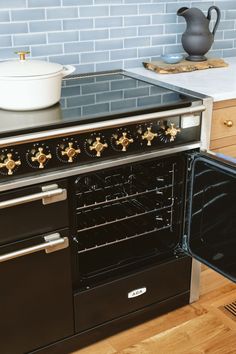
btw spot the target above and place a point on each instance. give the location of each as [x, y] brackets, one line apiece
[4, 16]
[13, 4]
[97, 35]
[27, 15]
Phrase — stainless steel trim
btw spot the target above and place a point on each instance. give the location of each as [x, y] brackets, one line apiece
[95, 74]
[44, 196]
[52, 243]
[51, 176]
[195, 281]
[158, 82]
[206, 124]
[48, 134]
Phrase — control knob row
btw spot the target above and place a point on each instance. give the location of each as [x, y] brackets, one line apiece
[41, 154]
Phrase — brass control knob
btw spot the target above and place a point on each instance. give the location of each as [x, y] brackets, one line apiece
[70, 151]
[41, 157]
[98, 146]
[10, 164]
[149, 136]
[172, 131]
[124, 141]
[228, 123]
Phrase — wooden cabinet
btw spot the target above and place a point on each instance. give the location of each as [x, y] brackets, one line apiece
[223, 131]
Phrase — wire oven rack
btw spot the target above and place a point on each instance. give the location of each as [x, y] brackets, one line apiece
[115, 208]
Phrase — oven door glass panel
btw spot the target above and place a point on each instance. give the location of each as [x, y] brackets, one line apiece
[211, 221]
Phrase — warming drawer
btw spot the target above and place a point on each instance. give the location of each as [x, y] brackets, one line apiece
[106, 302]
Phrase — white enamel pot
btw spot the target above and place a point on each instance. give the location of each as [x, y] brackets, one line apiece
[27, 85]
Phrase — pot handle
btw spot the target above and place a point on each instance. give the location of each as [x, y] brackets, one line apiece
[217, 19]
[67, 70]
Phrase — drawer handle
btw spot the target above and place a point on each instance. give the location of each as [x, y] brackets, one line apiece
[53, 243]
[228, 123]
[47, 197]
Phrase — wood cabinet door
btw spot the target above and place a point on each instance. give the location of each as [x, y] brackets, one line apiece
[223, 131]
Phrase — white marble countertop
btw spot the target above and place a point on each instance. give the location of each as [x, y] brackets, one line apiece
[217, 83]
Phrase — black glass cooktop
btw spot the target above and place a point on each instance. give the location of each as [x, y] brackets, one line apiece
[93, 98]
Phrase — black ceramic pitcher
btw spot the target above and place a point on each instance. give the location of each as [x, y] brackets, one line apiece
[198, 39]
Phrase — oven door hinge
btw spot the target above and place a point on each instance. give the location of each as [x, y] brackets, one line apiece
[191, 158]
[185, 243]
[179, 251]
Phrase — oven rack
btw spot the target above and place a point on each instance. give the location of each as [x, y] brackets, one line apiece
[121, 189]
[103, 182]
[128, 196]
[128, 217]
[127, 238]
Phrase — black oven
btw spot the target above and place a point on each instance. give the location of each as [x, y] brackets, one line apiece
[128, 195]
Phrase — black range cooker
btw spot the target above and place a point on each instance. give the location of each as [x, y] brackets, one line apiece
[105, 198]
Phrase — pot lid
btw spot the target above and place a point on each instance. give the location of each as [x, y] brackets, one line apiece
[27, 68]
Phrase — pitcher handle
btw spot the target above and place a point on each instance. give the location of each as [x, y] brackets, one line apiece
[217, 19]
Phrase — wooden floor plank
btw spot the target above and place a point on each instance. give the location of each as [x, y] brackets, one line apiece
[211, 280]
[155, 326]
[225, 344]
[182, 339]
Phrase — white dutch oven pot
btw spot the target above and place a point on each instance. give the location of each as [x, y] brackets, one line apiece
[31, 84]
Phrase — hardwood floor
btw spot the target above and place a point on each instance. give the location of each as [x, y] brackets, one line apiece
[202, 327]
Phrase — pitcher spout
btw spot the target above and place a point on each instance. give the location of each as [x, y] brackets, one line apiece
[193, 15]
[182, 11]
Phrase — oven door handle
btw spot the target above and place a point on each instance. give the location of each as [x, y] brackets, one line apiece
[47, 196]
[53, 243]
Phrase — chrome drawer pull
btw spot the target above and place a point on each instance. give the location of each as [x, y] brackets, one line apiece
[52, 243]
[47, 197]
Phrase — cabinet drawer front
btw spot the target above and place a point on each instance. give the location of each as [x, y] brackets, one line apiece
[115, 299]
[227, 150]
[223, 123]
[219, 143]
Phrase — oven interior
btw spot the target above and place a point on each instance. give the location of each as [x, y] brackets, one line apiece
[127, 218]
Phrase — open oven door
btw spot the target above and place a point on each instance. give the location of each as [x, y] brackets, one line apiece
[210, 218]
